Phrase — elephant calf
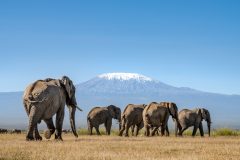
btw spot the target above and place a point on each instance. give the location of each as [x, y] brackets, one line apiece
[131, 117]
[188, 118]
[100, 115]
[156, 115]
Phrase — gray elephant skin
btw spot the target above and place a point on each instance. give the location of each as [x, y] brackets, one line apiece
[189, 118]
[103, 115]
[131, 117]
[45, 98]
[156, 115]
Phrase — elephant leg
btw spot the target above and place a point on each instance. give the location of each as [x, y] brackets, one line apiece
[59, 123]
[154, 131]
[167, 131]
[37, 135]
[158, 131]
[127, 126]
[90, 128]
[108, 125]
[178, 128]
[97, 130]
[182, 130]
[34, 118]
[50, 125]
[201, 129]
[132, 129]
[163, 128]
[147, 130]
[122, 129]
[137, 130]
[139, 126]
[195, 130]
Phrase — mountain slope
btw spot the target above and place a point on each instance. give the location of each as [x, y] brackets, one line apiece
[127, 83]
[123, 88]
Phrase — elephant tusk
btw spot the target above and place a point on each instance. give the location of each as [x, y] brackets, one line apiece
[79, 108]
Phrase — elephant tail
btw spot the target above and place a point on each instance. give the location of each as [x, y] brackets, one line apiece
[30, 97]
[147, 118]
[89, 124]
[27, 107]
[123, 120]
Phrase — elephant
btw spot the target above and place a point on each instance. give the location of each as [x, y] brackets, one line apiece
[100, 115]
[2, 131]
[156, 115]
[132, 117]
[45, 98]
[188, 118]
[16, 131]
[66, 131]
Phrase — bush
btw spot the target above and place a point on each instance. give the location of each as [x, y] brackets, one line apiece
[84, 131]
[225, 132]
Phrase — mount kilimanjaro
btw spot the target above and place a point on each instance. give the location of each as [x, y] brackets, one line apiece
[121, 89]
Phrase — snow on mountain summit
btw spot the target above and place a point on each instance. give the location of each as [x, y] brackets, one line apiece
[125, 83]
[124, 76]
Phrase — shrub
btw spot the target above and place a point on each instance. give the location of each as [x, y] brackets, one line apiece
[225, 132]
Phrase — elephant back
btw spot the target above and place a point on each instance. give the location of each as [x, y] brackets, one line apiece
[40, 91]
[127, 107]
[155, 114]
[132, 109]
[93, 110]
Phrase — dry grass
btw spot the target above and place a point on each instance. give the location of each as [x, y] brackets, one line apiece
[121, 148]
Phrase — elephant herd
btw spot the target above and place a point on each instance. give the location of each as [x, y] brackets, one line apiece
[153, 117]
[45, 98]
[14, 131]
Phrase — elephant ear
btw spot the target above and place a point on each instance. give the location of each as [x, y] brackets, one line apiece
[204, 115]
[68, 85]
[172, 108]
[199, 112]
[111, 109]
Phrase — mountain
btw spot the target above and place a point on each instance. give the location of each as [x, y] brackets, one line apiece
[121, 89]
[128, 83]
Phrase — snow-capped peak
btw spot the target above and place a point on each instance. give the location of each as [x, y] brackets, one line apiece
[124, 76]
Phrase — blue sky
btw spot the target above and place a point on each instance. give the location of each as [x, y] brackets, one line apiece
[183, 43]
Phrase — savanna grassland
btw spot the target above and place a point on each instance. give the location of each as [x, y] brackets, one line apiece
[13, 146]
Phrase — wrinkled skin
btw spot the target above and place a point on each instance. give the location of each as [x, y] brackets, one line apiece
[132, 117]
[156, 115]
[45, 98]
[189, 118]
[103, 115]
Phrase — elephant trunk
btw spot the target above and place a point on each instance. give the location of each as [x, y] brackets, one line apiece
[177, 125]
[119, 126]
[119, 121]
[176, 128]
[209, 128]
[72, 111]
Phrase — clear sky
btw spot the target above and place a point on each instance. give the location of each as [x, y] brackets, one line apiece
[182, 43]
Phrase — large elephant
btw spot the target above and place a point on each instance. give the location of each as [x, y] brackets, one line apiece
[100, 115]
[156, 115]
[131, 117]
[45, 98]
[188, 118]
